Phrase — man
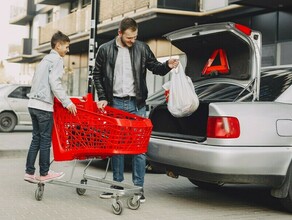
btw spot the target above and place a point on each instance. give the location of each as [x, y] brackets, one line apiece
[120, 80]
[46, 84]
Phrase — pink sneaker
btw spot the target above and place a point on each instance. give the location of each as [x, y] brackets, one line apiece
[31, 178]
[51, 176]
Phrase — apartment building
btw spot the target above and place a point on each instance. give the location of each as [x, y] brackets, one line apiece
[155, 18]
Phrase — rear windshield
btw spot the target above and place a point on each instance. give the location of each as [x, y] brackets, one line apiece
[274, 83]
[222, 92]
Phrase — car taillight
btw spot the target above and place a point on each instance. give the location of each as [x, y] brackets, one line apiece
[223, 127]
[243, 29]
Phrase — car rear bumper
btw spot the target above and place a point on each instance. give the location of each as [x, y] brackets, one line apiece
[222, 160]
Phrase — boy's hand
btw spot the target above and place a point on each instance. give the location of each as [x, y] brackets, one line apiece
[72, 109]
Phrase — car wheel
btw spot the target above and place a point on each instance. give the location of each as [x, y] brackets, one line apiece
[206, 185]
[7, 121]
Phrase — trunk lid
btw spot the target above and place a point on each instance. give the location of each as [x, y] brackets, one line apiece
[221, 52]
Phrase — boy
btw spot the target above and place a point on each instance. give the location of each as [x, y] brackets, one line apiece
[46, 84]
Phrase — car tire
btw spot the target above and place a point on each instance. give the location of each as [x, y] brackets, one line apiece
[206, 185]
[7, 121]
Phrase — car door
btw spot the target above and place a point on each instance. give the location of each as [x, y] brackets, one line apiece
[18, 101]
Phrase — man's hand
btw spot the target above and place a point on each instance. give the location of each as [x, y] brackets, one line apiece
[173, 63]
[72, 109]
[102, 104]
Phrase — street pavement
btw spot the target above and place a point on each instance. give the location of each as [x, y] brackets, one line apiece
[166, 198]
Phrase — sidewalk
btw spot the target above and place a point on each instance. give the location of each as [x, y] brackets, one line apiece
[17, 200]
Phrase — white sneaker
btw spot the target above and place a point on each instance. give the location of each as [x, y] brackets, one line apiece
[51, 176]
[31, 178]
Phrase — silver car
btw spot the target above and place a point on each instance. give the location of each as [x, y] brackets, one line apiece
[13, 106]
[242, 130]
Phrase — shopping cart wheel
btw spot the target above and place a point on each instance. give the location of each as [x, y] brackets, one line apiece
[117, 207]
[39, 191]
[81, 191]
[133, 203]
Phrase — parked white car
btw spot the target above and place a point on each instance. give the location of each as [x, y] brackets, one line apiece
[242, 130]
[13, 106]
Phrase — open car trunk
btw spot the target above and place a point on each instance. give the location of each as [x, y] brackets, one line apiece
[193, 127]
[217, 55]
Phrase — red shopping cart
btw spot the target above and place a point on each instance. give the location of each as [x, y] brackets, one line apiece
[98, 134]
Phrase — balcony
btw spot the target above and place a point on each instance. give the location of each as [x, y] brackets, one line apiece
[155, 15]
[110, 10]
[51, 2]
[22, 53]
[76, 25]
[22, 13]
[155, 18]
[273, 4]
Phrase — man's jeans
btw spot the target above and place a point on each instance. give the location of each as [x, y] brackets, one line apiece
[138, 161]
[42, 124]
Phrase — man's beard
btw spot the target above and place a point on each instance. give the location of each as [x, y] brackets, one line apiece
[124, 43]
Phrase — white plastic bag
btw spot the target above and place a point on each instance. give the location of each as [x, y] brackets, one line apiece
[182, 100]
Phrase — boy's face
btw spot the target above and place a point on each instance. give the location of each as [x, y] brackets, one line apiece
[62, 48]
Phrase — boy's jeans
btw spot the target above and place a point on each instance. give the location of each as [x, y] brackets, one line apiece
[139, 160]
[42, 124]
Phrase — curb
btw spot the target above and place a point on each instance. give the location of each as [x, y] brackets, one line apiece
[13, 153]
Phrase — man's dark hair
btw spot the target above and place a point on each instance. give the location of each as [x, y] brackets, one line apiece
[128, 23]
[59, 37]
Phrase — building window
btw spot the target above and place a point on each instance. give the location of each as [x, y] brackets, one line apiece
[267, 25]
[285, 53]
[285, 25]
[74, 5]
[186, 5]
[269, 52]
[86, 2]
[50, 16]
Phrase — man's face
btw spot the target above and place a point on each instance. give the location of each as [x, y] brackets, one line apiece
[62, 48]
[128, 38]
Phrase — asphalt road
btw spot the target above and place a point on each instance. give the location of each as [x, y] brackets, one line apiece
[166, 198]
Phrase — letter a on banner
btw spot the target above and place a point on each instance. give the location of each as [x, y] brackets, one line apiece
[223, 68]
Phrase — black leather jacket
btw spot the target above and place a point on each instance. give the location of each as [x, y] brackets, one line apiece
[142, 58]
